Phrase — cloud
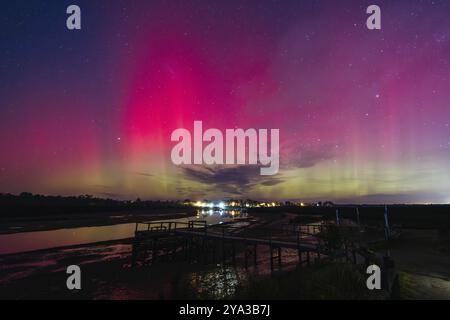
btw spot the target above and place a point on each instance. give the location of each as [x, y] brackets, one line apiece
[306, 157]
[144, 174]
[235, 180]
[272, 182]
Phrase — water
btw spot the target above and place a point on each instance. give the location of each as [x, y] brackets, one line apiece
[111, 274]
[30, 241]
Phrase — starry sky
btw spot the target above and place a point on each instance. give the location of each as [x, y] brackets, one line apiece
[364, 116]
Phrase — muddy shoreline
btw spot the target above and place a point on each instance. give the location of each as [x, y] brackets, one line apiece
[108, 273]
[48, 223]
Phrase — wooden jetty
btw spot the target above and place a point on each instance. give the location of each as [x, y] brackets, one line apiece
[195, 241]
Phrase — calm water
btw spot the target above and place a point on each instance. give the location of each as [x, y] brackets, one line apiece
[29, 241]
[111, 273]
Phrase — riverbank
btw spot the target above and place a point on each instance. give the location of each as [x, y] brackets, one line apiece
[95, 219]
[107, 274]
[423, 261]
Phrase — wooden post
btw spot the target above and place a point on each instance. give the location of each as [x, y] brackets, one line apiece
[224, 254]
[279, 258]
[173, 250]
[154, 250]
[134, 255]
[347, 259]
[387, 232]
[185, 242]
[271, 258]
[354, 252]
[234, 253]
[337, 217]
[246, 256]
[190, 244]
[205, 250]
[357, 217]
[198, 250]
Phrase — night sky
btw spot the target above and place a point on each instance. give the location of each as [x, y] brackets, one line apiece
[364, 116]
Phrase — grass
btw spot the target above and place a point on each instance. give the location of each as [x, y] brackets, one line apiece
[407, 286]
[337, 281]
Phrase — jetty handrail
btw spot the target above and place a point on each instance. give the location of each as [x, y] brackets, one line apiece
[200, 228]
[170, 225]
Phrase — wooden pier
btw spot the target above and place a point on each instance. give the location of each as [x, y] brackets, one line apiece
[196, 242]
[219, 245]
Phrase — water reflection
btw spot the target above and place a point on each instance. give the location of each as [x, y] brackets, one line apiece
[218, 283]
[29, 241]
[111, 270]
[216, 216]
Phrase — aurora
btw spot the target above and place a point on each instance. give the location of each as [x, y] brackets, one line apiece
[363, 114]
